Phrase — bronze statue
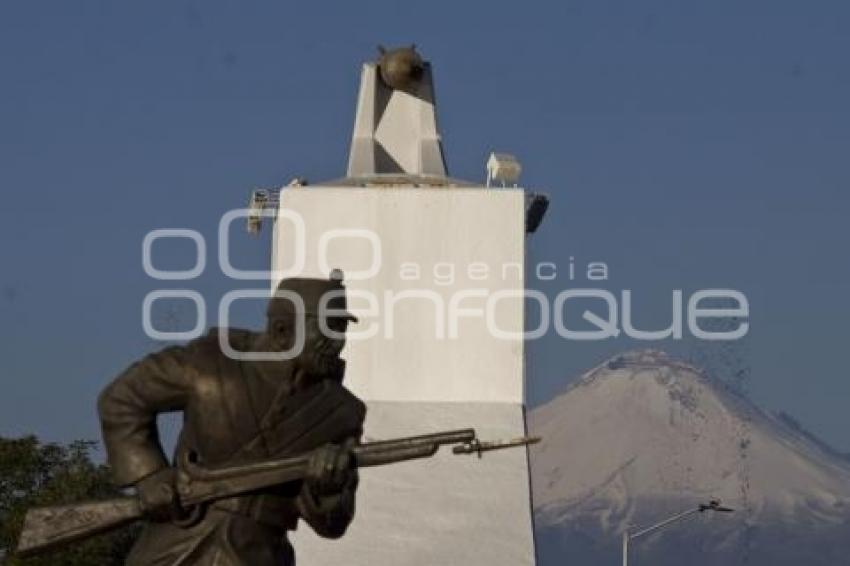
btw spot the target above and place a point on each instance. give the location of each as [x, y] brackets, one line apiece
[234, 413]
[263, 445]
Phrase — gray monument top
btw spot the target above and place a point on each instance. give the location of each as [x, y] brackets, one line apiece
[395, 130]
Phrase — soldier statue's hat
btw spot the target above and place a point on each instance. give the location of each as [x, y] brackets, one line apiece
[312, 292]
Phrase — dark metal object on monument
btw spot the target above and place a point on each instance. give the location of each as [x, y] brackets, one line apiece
[400, 68]
[47, 528]
[535, 208]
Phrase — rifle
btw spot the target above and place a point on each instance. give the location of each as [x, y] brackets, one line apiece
[47, 528]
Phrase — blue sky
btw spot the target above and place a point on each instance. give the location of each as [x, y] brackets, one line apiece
[688, 145]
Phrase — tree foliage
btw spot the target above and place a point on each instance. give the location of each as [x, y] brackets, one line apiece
[33, 474]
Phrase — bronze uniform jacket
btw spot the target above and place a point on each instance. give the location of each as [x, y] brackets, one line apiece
[233, 413]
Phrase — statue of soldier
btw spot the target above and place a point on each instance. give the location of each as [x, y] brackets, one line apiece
[235, 412]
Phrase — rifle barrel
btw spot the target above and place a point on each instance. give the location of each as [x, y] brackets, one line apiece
[439, 438]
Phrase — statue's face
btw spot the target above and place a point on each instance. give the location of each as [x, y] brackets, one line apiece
[323, 340]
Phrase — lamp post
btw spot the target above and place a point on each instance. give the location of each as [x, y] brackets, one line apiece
[713, 505]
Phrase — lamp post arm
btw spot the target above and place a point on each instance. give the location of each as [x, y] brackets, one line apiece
[664, 523]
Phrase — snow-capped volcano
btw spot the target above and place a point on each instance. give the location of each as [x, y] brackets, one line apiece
[643, 436]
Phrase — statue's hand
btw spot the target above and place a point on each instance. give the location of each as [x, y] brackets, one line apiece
[330, 469]
[158, 495]
[326, 500]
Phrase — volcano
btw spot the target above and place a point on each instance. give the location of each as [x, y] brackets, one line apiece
[643, 436]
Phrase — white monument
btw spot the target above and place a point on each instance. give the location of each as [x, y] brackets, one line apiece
[434, 268]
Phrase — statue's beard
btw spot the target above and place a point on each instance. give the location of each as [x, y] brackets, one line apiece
[322, 360]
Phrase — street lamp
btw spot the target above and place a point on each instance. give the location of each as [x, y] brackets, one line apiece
[713, 505]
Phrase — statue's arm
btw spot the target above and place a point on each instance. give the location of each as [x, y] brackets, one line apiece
[327, 497]
[128, 409]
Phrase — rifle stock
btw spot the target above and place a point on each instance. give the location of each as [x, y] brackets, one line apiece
[46, 528]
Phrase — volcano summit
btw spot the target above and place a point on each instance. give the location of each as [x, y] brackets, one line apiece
[642, 436]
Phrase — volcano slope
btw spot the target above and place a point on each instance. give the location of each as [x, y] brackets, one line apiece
[643, 436]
